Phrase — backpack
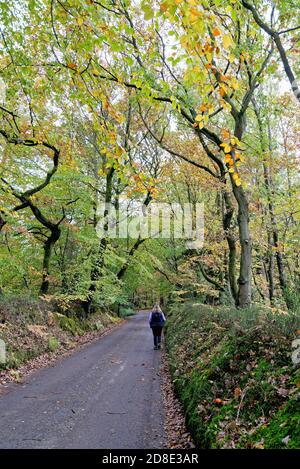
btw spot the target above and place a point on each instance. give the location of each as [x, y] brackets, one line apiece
[157, 319]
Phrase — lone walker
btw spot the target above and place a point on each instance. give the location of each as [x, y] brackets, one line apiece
[157, 321]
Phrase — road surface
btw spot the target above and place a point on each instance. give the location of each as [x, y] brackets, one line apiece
[108, 395]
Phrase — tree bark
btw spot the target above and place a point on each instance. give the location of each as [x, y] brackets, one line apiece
[48, 247]
[230, 238]
[273, 240]
[244, 280]
[278, 254]
[96, 271]
[270, 268]
[2, 222]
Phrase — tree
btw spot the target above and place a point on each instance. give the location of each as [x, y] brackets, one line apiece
[120, 96]
[284, 18]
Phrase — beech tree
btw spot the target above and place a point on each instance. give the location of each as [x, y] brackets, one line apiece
[108, 94]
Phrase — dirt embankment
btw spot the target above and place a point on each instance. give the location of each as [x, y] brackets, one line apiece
[36, 332]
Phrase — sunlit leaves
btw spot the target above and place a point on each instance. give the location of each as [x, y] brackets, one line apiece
[227, 41]
[216, 32]
[226, 147]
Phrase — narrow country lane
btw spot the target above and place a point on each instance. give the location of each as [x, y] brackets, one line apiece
[107, 395]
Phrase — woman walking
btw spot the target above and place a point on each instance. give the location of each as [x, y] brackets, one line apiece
[157, 321]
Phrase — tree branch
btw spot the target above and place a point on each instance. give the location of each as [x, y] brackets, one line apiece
[276, 37]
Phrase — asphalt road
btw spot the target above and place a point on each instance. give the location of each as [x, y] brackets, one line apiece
[107, 395]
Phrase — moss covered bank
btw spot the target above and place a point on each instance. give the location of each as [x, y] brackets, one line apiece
[234, 374]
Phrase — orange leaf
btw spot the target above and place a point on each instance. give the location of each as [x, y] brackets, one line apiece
[225, 134]
[218, 401]
[72, 65]
[216, 32]
[164, 6]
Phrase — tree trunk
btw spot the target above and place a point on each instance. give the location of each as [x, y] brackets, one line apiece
[230, 238]
[270, 269]
[2, 222]
[96, 271]
[270, 192]
[279, 259]
[244, 280]
[48, 246]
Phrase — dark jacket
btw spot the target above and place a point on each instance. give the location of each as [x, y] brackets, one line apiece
[157, 319]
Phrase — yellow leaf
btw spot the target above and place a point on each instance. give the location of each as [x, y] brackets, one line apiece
[234, 84]
[120, 118]
[95, 72]
[239, 157]
[80, 21]
[226, 147]
[210, 109]
[236, 179]
[198, 118]
[194, 14]
[227, 41]
[231, 170]
[209, 57]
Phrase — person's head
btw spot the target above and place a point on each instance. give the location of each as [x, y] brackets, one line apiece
[156, 308]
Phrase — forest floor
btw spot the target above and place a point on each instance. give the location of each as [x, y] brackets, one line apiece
[110, 394]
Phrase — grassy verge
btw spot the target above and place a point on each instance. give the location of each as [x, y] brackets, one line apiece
[32, 327]
[233, 372]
